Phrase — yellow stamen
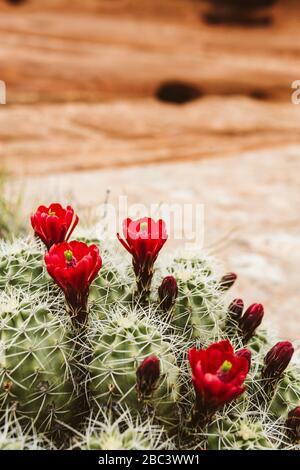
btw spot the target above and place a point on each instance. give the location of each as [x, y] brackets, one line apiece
[50, 212]
[68, 255]
[226, 366]
[144, 227]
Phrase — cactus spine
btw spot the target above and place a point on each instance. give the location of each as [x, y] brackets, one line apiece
[119, 345]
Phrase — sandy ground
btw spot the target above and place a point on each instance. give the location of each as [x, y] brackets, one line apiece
[251, 216]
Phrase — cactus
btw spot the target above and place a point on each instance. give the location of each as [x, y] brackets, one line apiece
[119, 345]
[240, 433]
[35, 361]
[122, 433]
[21, 264]
[73, 380]
[13, 436]
[287, 394]
[200, 303]
[116, 280]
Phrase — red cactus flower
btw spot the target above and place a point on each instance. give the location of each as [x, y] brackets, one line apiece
[277, 359]
[235, 310]
[167, 292]
[218, 375]
[293, 424]
[251, 319]
[54, 224]
[227, 281]
[144, 238]
[74, 266]
[234, 313]
[246, 354]
[147, 375]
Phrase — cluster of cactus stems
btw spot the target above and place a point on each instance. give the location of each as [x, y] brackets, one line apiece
[100, 353]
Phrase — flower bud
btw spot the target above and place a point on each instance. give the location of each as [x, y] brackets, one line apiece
[277, 359]
[251, 319]
[235, 310]
[147, 375]
[167, 292]
[227, 281]
[246, 354]
[293, 424]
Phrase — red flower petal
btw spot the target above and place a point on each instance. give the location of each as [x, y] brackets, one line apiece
[75, 276]
[214, 385]
[53, 224]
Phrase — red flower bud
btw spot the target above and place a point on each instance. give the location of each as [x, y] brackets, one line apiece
[293, 424]
[251, 319]
[147, 376]
[53, 224]
[144, 238]
[168, 291]
[277, 359]
[246, 354]
[235, 310]
[218, 375]
[74, 266]
[227, 281]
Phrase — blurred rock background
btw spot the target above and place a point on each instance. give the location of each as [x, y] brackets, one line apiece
[175, 101]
